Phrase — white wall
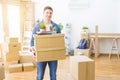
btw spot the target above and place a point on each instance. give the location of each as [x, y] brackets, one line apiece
[105, 13]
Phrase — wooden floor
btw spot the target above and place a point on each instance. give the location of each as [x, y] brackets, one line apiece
[105, 69]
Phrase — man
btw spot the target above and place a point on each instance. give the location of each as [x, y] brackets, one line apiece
[47, 15]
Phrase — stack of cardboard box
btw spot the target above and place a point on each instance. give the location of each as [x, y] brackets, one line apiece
[13, 55]
[15, 67]
[27, 61]
[13, 50]
[18, 62]
[50, 47]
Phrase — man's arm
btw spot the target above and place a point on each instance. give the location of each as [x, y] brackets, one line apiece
[35, 30]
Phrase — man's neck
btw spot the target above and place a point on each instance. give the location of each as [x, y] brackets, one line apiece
[47, 21]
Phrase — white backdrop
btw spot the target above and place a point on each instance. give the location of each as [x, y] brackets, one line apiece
[104, 13]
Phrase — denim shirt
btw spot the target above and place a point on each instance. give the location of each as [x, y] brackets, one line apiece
[37, 29]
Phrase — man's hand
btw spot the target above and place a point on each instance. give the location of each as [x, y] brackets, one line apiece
[32, 49]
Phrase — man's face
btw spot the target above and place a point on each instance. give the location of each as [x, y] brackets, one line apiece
[48, 14]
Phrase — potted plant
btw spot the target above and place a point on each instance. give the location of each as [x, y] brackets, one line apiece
[42, 27]
[85, 29]
[51, 28]
[61, 26]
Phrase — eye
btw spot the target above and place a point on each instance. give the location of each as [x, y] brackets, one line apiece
[50, 12]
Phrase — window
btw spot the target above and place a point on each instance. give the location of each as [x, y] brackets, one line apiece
[14, 21]
[1, 31]
[1, 25]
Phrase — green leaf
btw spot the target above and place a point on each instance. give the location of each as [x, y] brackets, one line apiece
[42, 26]
[84, 27]
[61, 26]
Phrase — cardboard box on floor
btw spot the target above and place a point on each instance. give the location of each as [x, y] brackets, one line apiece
[28, 66]
[10, 57]
[85, 52]
[2, 71]
[82, 68]
[49, 47]
[15, 68]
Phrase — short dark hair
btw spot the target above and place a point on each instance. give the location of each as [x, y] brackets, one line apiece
[48, 7]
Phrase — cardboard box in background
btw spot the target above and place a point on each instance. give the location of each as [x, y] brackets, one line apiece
[15, 68]
[14, 47]
[12, 57]
[26, 58]
[2, 71]
[50, 47]
[28, 66]
[13, 40]
[82, 68]
[85, 36]
[85, 52]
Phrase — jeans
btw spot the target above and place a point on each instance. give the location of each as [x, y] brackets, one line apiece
[41, 69]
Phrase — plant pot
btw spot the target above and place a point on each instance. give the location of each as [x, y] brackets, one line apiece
[42, 30]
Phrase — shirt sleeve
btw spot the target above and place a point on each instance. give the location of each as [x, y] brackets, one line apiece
[35, 30]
